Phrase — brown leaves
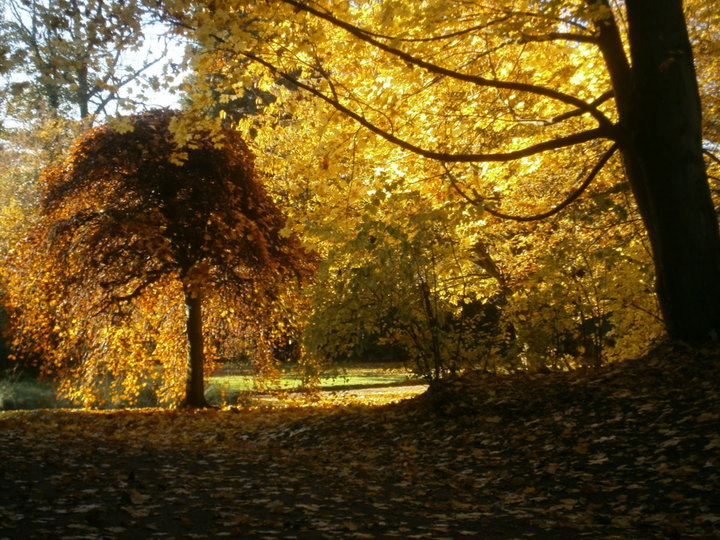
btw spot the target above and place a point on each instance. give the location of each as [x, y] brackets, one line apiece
[587, 460]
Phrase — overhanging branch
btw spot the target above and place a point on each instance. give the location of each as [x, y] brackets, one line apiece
[558, 36]
[478, 201]
[606, 132]
[439, 70]
[114, 300]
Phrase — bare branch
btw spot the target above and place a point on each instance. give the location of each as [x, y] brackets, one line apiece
[131, 78]
[558, 36]
[712, 156]
[596, 102]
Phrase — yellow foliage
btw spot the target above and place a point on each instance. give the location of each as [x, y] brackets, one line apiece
[340, 145]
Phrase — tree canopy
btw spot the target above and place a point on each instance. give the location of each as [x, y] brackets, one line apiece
[496, 98]
[77, 58]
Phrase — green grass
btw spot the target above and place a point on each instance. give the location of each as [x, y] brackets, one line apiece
[16, 393]
[232, 385]
[354, 376]
[247, 383]
[237, 386]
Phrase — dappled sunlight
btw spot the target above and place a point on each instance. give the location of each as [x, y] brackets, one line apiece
[258, 416]
[372, 396]
[422, 270]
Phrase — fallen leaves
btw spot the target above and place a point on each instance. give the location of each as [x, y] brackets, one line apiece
[561, 456]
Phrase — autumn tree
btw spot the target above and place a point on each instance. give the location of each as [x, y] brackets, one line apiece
[24, 152]
[134, 227]
[77, 58]
[496, 92]
[63, 63]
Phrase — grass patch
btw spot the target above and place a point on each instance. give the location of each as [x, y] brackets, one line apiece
[236, 385]
[352, 376]
[26, 393]
[233, 385]
[248, 383]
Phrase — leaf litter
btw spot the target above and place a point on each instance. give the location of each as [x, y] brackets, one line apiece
[630, 451]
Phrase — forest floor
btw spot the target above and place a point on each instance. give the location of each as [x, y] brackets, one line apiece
[630, 451]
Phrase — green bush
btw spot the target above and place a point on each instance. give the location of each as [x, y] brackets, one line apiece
[407, 294]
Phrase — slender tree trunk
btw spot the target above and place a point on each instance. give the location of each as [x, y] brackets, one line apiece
[83, 91]
[195, 394]
[434, 329]
[660, 118]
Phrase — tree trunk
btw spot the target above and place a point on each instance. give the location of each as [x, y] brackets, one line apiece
[195, 393]
[660, 117]
[83, 91]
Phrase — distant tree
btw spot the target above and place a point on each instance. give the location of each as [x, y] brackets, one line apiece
[131, 223]
[75, 58]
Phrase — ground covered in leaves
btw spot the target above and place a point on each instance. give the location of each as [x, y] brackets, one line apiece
[628, 452]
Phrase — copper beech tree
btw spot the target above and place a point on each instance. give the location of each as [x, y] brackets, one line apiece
[131, 223]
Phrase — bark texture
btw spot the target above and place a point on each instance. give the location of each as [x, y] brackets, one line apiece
[661, 141]
[195, 395]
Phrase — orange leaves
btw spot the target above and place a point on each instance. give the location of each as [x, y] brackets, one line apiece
[123, 227]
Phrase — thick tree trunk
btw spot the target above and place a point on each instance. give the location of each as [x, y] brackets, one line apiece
[660, 117]
[195, 394]
[667, 171]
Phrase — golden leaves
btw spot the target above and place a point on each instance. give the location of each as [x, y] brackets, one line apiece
[121, 124]
[334, 173]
